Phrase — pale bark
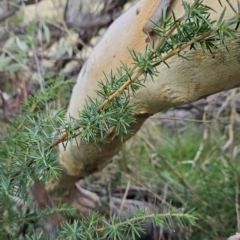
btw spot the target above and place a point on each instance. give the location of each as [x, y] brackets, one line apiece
[185, 81]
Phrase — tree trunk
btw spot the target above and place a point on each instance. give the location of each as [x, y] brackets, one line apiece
[184, 82]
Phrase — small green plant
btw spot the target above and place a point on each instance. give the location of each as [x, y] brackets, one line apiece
[208, 185]
[28, 151]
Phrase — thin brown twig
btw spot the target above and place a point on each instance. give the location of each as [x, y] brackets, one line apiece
[233, 160]
[232, 120]
[204, 138]
[161, 199]
[124, 197]
[200, 216]
[186, 183]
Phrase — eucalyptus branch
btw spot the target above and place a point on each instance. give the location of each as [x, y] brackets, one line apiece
[24, 157]
[175, 35]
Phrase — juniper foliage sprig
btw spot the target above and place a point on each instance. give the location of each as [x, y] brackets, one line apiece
[193, 30]
[27, 153]
[129, 227]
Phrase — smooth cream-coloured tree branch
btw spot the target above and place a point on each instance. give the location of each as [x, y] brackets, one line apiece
[184, 82]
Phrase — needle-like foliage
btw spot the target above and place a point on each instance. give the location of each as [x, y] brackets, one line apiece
[27, 152]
